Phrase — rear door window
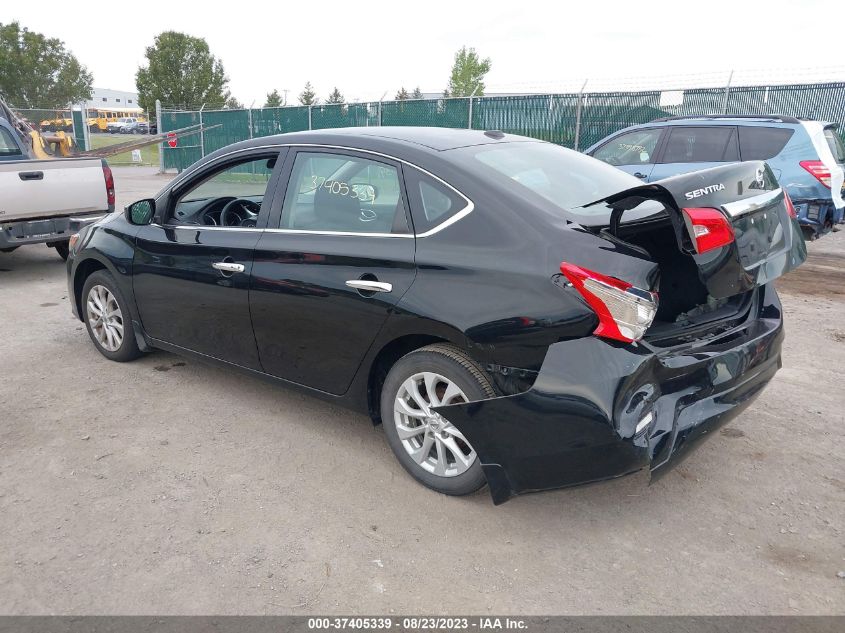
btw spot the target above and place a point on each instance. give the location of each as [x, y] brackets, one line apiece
[632, 148]
[837, 147]
[700, 145]
[343, 193]
[763, 143]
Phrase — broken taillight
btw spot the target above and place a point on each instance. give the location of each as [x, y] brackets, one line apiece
[625, 312]
[709, 228]
[790, 208]
[818, 169]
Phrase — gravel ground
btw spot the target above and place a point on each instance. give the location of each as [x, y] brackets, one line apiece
[165, 486]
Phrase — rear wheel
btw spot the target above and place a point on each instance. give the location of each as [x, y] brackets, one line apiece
[428, 446]
[107, 318]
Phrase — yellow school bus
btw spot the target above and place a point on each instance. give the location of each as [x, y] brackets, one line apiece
[98, 118]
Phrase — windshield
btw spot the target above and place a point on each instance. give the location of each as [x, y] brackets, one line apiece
[837, 147]
[563, 177]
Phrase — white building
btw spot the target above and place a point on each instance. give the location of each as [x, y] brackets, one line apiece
[107, 98]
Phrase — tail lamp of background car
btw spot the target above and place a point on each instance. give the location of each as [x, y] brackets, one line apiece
[818, 169]
[109, 183]
[624, 311]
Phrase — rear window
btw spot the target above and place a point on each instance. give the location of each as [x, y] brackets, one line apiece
[763, 143]
[700, 145]
[837, 147]
[8, 146]
[563, 177]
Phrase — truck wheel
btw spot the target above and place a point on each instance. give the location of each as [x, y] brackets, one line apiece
[62, 248]
[429, 447]
[107, 318]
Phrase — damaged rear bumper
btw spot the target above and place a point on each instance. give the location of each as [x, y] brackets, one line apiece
[600, 410]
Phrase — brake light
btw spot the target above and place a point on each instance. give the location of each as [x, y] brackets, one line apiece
[625, 312]
[790, 208]
[109, 183]
[709, 228]
[818, 169]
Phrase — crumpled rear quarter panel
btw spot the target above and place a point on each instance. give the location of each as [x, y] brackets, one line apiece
[577, 423]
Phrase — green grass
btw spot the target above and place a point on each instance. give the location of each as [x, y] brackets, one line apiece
[149, 154]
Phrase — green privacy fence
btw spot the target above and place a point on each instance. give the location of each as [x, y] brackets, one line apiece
[573, 120]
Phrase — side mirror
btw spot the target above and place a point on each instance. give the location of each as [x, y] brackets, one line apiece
[141, 213]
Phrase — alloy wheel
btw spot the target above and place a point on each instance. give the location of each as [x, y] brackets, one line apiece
[429, 438]
[105, 318]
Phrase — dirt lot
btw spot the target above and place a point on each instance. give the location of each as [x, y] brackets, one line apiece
[165, 486]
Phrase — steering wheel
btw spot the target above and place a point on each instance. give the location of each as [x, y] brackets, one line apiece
[239, 212]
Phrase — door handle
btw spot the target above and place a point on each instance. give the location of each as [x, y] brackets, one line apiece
[31, 175]
[639, 174]
[369, 286]
[228, 267]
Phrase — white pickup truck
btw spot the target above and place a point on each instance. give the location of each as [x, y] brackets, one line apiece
[47, 201]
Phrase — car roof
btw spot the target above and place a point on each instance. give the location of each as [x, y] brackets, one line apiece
[768, 120]
[436, 139]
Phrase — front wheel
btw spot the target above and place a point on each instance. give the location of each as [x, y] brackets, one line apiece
[107, 318]
[428, 446]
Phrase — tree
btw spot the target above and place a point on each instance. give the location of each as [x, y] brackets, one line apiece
[37, 72]
[274, 99]
[181, 71]
[468, 73]
[417, 93]
[445, 94]
[402, 95]
[308, 96]
[335, 97]
[233, 104]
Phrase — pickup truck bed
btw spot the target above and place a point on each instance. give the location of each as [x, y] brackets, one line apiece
[46, 201]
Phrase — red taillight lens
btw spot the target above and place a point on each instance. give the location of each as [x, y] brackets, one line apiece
[109, 183]
[790, 208]
[625, 312]
[709, 228]
[818, 169]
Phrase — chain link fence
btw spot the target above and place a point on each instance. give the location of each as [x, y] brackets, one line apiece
[574, 120]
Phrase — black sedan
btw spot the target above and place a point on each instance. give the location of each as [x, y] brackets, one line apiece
[512, 312]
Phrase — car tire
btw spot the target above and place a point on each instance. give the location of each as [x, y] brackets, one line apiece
[456, 378]
[62, 248]
[105, 335]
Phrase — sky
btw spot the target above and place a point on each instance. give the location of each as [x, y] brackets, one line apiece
[371, 48]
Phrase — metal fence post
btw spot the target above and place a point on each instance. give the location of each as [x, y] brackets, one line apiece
[160, 145]
[379, 113]
[309, 116]
[202, 134]
[727, 91]
[469, 123]
[249, 118]
[578, 108]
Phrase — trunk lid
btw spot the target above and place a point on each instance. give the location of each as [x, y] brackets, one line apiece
[767, 239]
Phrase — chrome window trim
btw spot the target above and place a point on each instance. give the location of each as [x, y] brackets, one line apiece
[749, 205]
[459, 215]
